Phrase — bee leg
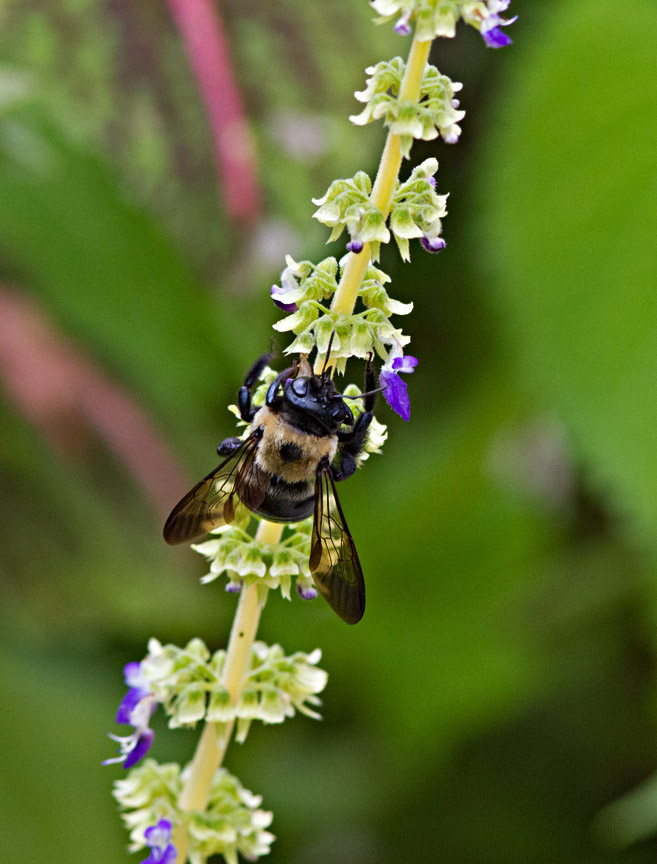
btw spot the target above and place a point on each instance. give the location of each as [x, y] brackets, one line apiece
[229, 446]
[350, 446]
[368, 387]
[247, 413]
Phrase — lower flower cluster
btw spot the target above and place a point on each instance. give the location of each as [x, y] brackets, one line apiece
[187, 683]
[232, 823]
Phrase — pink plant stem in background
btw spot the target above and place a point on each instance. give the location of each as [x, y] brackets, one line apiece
[202, 31]
[64, 395]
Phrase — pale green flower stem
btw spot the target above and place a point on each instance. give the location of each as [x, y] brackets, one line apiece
[211, 746]
[211, 749]
[384, 185]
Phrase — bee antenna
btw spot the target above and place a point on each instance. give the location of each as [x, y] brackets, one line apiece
[360, 395]
[328, 353]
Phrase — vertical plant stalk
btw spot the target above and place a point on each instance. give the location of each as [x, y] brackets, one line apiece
[211, 747]
[344, 299]
[210, 751]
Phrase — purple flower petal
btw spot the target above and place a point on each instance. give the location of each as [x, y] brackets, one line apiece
[355, 246]
[276, 291]
[404, 363]
[158, 838]
[394, 388]
[395, 393]
[496, 37]
[158, 835]
[140, 749]
[132, 674]
[402, 26]
[433, 245]
[306, 593]
[129, 702]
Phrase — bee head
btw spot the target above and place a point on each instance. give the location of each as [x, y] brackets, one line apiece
[316, 397]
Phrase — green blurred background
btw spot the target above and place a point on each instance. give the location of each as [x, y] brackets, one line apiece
[500, 694]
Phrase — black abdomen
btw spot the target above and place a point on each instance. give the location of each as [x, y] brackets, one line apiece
[287, 502]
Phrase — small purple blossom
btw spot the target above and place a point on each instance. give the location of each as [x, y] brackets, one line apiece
[355, 245]
[233, 587]
[306, 593]
[394, 388]
[132, 748]
[158, 837]
[136, 709]
[138, 688]
[491, 31]
[277, 291]
[496, 37]
[402, 26]
[432, 244]
[288, 294]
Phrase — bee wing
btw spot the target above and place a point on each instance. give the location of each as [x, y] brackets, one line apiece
[211, 503]
[334, 561]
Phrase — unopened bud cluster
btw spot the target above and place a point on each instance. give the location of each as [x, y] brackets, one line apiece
[232, 823]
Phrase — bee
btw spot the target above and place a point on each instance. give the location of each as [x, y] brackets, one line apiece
[301, 442]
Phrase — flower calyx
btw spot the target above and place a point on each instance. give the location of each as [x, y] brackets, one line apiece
[436, 112]
[435, 18]
[346, 204]
[417, 210]
[231, 825]
[188, 683]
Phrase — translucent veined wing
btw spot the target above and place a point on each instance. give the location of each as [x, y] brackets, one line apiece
[333, 561]
[211, 503]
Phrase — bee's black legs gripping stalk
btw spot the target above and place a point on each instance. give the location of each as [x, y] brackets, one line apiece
[351, 443]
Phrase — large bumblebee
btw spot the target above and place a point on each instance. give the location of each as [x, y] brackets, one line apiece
[302, 441]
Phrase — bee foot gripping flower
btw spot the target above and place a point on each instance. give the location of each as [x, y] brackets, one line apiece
[136, 709]
[158, 838]
[394, 388]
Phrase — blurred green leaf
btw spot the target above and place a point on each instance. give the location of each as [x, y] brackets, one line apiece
[55, 806]
[570, 219]
[108, 272]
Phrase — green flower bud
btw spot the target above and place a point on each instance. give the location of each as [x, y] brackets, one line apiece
[284, 563]
[361, 339]
[373, 227]
[275, 706]
[220, 708]
[189, 707]
[303, 344]
[323, 332]
[250, 561]
[299, 320]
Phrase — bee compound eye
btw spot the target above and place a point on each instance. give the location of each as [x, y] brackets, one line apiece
[300, 386]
